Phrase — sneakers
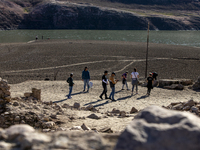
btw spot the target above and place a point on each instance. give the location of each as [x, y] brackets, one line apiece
[122, 89]
[101, 97]
[132, 94]
[128, 89]
[69, 97]
[113, 100]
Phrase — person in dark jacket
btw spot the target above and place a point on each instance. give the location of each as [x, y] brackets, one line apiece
[86, 78]
[150, 80]
[104, 84]
[71, 84]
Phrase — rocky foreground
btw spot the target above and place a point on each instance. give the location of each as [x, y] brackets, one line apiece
[27, 122]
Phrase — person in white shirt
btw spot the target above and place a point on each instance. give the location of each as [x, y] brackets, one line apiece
[134, 77]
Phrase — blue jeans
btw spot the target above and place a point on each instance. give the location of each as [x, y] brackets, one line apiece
[70, 91]
[112, 93]
[86, 82]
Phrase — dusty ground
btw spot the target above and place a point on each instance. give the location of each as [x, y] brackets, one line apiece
[42, 59]
[56, 91]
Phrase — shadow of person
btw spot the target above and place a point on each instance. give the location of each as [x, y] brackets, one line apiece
[76, 93]
[60, 100]
[142, 97]
[93, 102]
[102, 104]
[123, 98]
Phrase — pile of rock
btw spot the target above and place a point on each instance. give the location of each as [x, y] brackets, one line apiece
[4, 95]
[26, 137]
[191, 106]
[36, 93]
[122, 114]
[156, 128]
[196, 86]
[176, 84]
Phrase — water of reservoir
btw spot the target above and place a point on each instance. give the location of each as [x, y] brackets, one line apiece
[187, 38]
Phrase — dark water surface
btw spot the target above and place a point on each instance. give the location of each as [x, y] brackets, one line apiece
[187, 38]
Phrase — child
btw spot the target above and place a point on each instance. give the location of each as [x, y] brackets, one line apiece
[149, 83]
[71, 84]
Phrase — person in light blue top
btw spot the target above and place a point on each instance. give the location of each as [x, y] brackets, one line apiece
[86, 78]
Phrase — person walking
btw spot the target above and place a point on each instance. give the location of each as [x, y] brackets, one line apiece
[124, 80]
[104, 84]
[71, 84]
[86, 78]
[134, 77]
[113, 81]
[150, 81]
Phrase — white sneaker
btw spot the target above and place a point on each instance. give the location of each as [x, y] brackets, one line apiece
[69, 97]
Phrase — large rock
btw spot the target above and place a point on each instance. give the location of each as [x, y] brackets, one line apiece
[156, 128]
[169, 82]
[196, 86]
[174, 87]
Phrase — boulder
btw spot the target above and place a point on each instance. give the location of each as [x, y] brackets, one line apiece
[190, 103]
[156, 128]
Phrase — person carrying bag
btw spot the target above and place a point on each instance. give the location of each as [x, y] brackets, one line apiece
[135, 81]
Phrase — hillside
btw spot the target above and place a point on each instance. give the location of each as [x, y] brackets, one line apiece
[100, 14]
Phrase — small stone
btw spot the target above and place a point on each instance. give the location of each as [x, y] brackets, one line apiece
[90, 107]
[93, 116]
[65, 106]
[194, 109]
[76, 105]
[186, 108]
[106, 130]
[178, 106]
[133, 110]
[46, 130]
[17, 118]
[190, 103]
[27, 94]
[76, 128]
[122, 114]
[49, 124]
[84, 127]
[115, 111]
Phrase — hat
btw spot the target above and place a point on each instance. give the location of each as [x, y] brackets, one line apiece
[71, 74]
[113, 73]
[150, 73]
[105, 71]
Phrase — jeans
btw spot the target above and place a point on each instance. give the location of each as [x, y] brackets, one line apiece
[86, 82]
[134, 83]
[125, 84]
[70, 91]
[112, 93]
[104, 90]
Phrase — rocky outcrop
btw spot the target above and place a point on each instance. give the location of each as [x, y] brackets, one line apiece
[156, 128]
[190, 106]
[73, 15]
